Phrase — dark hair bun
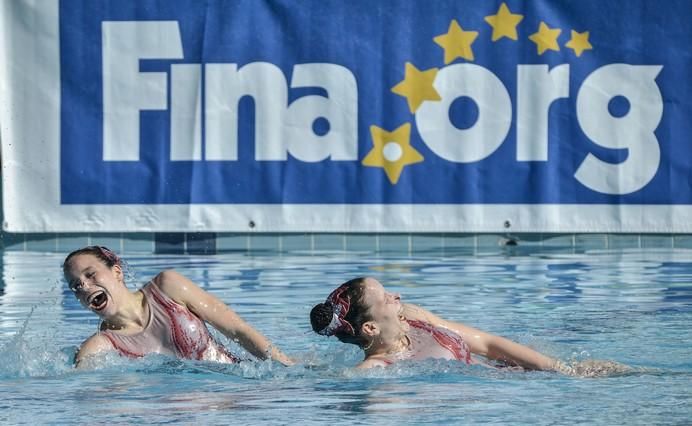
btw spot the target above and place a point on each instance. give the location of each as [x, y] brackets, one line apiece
[321, 315]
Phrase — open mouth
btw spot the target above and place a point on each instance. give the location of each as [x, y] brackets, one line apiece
[98, 300]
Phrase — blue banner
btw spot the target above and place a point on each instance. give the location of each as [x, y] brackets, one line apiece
[376, 103]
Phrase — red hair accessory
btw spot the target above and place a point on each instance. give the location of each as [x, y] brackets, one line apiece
[109, 254]
[340, 307]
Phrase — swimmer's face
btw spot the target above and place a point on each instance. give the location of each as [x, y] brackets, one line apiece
[94, 283]
[384, 307]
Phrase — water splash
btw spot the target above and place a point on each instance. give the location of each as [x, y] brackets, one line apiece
[26, 355]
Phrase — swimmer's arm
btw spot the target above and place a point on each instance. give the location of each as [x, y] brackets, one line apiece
[486, 344]
[512, 353]
[92, 346]
[212, 310]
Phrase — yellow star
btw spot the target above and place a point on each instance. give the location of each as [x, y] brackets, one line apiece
[546, 38]
[579, 42]
[392, 151]
[504, 23]
[457, 42]
[417, 86]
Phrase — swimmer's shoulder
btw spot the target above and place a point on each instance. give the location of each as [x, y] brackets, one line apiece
[173, 284]
[416, 313]
[168, 279]
[373, 361]
[411, 311]
[94, 345]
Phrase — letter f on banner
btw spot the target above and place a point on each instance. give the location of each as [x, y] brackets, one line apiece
[126, 90]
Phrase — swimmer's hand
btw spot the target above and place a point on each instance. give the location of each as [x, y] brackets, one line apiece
[286, 361]
[273, 353]
[592, 368]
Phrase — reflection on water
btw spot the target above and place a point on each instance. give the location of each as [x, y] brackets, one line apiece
[631, 306]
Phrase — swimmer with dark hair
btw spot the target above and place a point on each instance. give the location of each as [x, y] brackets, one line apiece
[167, 316]
[363, 313]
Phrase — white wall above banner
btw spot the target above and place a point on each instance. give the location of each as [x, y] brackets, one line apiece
[229, 116]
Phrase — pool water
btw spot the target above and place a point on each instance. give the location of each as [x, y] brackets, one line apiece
[631, 306]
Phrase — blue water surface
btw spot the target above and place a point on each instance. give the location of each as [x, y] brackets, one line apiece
[631, 306]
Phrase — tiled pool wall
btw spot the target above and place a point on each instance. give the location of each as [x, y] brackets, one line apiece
[209, 243]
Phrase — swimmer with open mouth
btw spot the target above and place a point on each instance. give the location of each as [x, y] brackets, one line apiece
[93, 289]
[168, 315]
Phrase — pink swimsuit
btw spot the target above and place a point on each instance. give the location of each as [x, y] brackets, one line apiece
[172, 330]
[428, 341]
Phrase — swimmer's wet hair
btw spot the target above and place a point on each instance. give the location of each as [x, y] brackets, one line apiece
[322, 315]
[104, 254]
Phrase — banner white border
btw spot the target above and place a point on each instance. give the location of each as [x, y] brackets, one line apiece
[31, 173]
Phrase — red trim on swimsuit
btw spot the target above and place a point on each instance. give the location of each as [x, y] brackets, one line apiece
[119, 348]
[187, 348]
[191, 349]
[453, 343]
